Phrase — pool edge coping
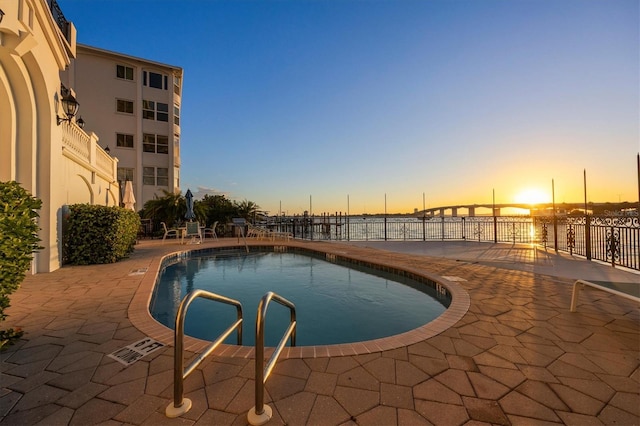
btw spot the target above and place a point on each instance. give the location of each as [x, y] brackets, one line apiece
[141, 318]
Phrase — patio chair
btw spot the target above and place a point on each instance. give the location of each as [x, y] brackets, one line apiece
[257, 233]
[281, 234]
[169, 232]
[193, 231]
[211, 231]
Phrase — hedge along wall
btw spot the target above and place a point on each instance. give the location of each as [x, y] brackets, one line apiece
[99, 234]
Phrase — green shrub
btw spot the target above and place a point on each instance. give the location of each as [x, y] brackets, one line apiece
[18, 241]
[99, 234]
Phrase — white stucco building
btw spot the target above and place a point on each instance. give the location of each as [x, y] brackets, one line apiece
[55, 160]
[133, 104]
[48, 151]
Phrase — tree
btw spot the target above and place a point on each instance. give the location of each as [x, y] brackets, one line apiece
[169, 209]
[248, 210]
[18, 241]
[218, 209]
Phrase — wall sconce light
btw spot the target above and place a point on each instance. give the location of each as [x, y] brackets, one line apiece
[69, 105]
[1, 15]
[107, 150]
[80, 122]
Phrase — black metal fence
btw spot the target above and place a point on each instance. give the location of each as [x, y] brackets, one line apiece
[612, 239]
[59, 18]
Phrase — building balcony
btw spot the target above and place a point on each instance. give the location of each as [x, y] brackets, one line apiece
[83, 148]
[58, 17]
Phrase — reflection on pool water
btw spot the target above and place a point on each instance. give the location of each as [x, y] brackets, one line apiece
[334, 303]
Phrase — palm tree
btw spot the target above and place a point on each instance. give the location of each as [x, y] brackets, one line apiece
[247, 209]
[169, 209]
[200, 210]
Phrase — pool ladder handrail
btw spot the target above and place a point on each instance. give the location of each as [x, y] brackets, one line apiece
[181, 405]
[261, 413]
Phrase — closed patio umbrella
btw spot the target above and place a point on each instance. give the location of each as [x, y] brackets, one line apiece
[189, 215]
[129, 199]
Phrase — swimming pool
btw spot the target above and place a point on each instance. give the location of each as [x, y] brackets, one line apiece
[335, 302]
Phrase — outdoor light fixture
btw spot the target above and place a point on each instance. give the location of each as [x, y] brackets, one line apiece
[69, 105]
[1, 15]
[107, 150]
[80, 122]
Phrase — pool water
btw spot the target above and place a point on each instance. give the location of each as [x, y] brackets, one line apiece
[334, 303]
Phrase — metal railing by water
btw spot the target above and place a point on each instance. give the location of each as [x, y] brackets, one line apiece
[181, 405]
[611, 239]
[606, 238]
[261, 413]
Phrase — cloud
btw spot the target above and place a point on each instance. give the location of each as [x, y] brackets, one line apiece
[201, 191]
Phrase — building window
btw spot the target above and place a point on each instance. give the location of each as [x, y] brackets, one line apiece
[162, 144]
[155, 143]
[123, 106]
[149, 110]
[124, 141]
[148, 142]
[124, 175]
[155, 176]
[149, 175]
[162, 176]
[124, 72]
[176, 150]
[176, 114]
[163, 112]
[176, 85]
[155, 111]
[153, 79]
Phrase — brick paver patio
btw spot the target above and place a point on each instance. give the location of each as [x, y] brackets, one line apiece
[517, 356]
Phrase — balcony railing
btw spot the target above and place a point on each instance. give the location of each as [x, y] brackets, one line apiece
[83, 148]
[75, 139]
[58, 16]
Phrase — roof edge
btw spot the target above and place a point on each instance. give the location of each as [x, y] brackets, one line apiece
[80, 46]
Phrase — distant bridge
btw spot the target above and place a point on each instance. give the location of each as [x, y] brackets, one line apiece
[471, 208]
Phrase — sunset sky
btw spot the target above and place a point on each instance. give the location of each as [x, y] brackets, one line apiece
[287, 101]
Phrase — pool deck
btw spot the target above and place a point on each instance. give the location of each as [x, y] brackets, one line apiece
[515, 356]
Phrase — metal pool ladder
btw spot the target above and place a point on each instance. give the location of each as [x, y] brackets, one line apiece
[181, 405]
[261, 413]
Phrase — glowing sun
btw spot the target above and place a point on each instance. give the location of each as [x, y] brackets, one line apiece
[532, 196]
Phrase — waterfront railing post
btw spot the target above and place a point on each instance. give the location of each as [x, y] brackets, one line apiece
[464, 234]
[587, 236]
[612, 246]
[385, 227]
[348, 227]
[555, 231]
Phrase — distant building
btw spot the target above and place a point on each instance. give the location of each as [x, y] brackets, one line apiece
[134, 105]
